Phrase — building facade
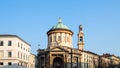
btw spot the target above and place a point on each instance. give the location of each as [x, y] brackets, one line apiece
[33, 60]
[14, 51]
[89, 60]
[61, 54]
[112, 60]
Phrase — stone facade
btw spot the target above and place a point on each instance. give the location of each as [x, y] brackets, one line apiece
[58, 56]
[61, 54]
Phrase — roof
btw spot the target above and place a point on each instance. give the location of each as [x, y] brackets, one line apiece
[9, 35]
[90, 53]
[59, 26]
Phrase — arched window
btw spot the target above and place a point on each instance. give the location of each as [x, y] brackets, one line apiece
[59, 38]
[81, 39]
[54, 38]
[68, 39]
[50, 39]
[63, 38]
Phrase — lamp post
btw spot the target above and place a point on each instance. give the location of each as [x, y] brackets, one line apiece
[71, 58]
[111, 65]
[77, 62]
[99, 62]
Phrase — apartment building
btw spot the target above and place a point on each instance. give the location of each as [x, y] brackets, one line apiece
[14, 51]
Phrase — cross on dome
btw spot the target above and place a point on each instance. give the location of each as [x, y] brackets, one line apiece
[60, 20]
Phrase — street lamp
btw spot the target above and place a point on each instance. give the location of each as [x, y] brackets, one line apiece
[71, 58]
[77, 62]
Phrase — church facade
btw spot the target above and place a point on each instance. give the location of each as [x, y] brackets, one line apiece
[61, 54]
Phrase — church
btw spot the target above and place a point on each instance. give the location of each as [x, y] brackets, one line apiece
[60, 52]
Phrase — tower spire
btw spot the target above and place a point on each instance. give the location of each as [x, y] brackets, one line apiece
[60, 20]
[80, 38]
[80, 27]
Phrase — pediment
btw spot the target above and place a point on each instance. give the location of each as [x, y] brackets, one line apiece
[58, 49]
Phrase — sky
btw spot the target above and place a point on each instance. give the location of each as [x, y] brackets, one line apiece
[31, 19]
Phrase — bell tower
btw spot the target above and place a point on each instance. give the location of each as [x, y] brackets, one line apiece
[80, 38]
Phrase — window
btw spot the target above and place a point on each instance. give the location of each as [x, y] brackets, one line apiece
[63, 38]
[1, 54]
[68, 39]
[21, 55]
[9, 43]
[18, 44]
[9, 63]
[54, 38]
[59, 38]
[81, 39]
[50, 39]
[24, 56]
[21, 46]
[28, 50]
[1, 63]
[18, 54]
[1, 43]
[24, 48]
[28, 57]
[9, 54]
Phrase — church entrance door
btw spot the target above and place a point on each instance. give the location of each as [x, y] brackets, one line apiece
[58, 63]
